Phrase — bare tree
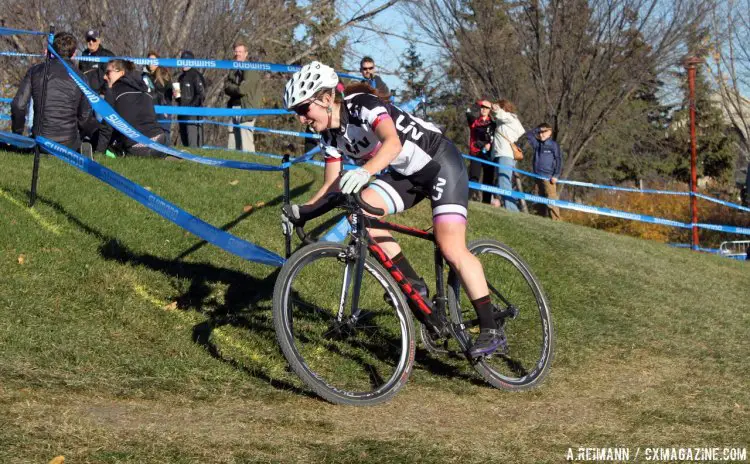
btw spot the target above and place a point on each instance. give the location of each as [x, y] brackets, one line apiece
[731, 65]
[571, 63]
[207, 28]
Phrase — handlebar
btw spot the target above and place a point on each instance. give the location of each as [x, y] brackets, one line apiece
[351, 203]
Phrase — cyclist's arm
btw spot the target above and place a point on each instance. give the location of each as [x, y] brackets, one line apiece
[330, 181]
[390, 146]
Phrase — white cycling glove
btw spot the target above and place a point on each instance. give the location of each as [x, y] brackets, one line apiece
[353, 181]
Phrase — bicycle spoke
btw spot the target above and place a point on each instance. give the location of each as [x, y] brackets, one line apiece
[343, 354]
[521, 311]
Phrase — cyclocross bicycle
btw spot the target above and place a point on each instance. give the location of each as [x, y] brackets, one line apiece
[342, 313]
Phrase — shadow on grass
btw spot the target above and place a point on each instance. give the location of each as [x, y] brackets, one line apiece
[247, 299]
[229, 225]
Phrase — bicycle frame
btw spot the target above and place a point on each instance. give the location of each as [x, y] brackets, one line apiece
[360, 223]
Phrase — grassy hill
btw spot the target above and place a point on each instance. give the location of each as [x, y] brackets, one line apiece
[125, 339]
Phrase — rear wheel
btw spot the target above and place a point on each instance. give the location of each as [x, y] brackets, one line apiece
[522, 312]
[359, 358]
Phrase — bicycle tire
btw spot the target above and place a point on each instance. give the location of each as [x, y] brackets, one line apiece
[511, 273]
[332, 349]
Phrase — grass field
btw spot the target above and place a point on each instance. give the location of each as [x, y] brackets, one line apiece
[125, 339]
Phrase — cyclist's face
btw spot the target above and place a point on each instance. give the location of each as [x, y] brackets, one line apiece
[313, 113]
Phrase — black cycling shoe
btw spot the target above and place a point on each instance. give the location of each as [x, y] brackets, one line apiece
[489, 341]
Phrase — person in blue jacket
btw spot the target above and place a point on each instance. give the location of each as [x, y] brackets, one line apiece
[548, 160]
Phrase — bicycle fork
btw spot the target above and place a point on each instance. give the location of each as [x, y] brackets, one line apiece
[354, 257]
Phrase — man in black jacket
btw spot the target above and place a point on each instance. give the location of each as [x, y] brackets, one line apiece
[367, 68]
[94, 71]
[66, 111]
[191, 92]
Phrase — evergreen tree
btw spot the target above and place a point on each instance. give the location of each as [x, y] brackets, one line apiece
[417, 79]
[716, 142]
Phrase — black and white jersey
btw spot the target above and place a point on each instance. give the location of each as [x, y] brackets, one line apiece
[356, 138]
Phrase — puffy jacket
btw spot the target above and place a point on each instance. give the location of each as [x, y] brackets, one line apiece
[66, 110]
[129, 97]
[95, 71]
[508, 125]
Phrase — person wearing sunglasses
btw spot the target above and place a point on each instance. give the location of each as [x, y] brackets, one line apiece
[129, 96]
[421, 163]
[367, 68]
[481, 128]
[94, 71]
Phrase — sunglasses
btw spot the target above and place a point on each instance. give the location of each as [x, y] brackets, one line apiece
[91, 40]
[486, 107]
[302, 109]
[367, 69]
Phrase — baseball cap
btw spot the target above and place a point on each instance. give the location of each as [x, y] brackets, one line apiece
[92, 34]
[187, 55]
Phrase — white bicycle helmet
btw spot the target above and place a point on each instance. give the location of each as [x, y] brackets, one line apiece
[307, 81]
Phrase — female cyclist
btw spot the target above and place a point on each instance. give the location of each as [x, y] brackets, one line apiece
[420, 159]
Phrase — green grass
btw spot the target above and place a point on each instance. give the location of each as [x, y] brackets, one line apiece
[125, 339]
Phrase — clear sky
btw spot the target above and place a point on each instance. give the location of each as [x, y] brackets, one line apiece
[386, 50]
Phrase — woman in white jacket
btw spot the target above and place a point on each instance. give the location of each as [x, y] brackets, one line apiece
[509, 129]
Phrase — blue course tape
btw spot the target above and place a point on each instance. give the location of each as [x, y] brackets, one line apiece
[250, 128]
[217, 112]
[4, 117]
[605, 211]
[722, 202]
[17, 140]
[207, 63]
[164, 208]
[122, 126]
[610, 187]
[345, 166]
[411, 105]
[6, 100]
[9, 31]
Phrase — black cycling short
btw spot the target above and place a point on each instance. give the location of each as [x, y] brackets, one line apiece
[448, 189]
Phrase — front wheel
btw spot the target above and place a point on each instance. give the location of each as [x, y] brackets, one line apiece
[521, 310]
[359, 357]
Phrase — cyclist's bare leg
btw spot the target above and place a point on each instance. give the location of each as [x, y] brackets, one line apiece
[451, 238]
[382, 237]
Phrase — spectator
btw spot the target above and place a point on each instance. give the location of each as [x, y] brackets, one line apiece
[243, 89]
[190, 92]
[94, 71]
[481, 129]
[159, 83]
[367, 68]
[508, 129]
[547, 161]
[66, 111]
[128, 95]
